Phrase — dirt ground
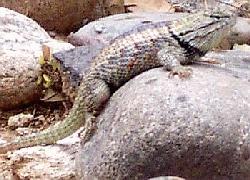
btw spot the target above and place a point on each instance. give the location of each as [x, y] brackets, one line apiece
[44, 114]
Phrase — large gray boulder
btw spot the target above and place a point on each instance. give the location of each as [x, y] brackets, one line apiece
[21, 41]
[105, 29]
[64, 16]
[20, 48]
[153, 126]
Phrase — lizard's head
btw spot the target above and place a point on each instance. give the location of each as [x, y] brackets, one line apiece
[202, 31]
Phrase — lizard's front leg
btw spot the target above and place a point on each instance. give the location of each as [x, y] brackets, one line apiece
[172, 58]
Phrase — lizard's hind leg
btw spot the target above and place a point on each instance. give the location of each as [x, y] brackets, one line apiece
[96, 93]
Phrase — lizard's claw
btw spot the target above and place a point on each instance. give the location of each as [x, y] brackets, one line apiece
[181, 71]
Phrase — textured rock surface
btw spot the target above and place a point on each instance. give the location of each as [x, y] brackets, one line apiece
[18, 61]
[167, 178]
[234, 62]
[64, 15]
[153, 126]
[50, 162]
[21, 39]
[241, 32]
[106, 29]
[194, 5]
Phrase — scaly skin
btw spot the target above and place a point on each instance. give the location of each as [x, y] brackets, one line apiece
[153, 45]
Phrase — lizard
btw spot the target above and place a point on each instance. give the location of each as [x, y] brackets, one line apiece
[165, 44]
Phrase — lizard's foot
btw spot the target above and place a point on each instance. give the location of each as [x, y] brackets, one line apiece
[181, 71]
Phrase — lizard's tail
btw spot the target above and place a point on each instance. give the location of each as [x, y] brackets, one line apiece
[68, 126]
[92, 93]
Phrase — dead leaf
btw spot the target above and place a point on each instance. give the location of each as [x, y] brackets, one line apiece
[114, 6]
[148, 6]
[52, 96]
[46, 52]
